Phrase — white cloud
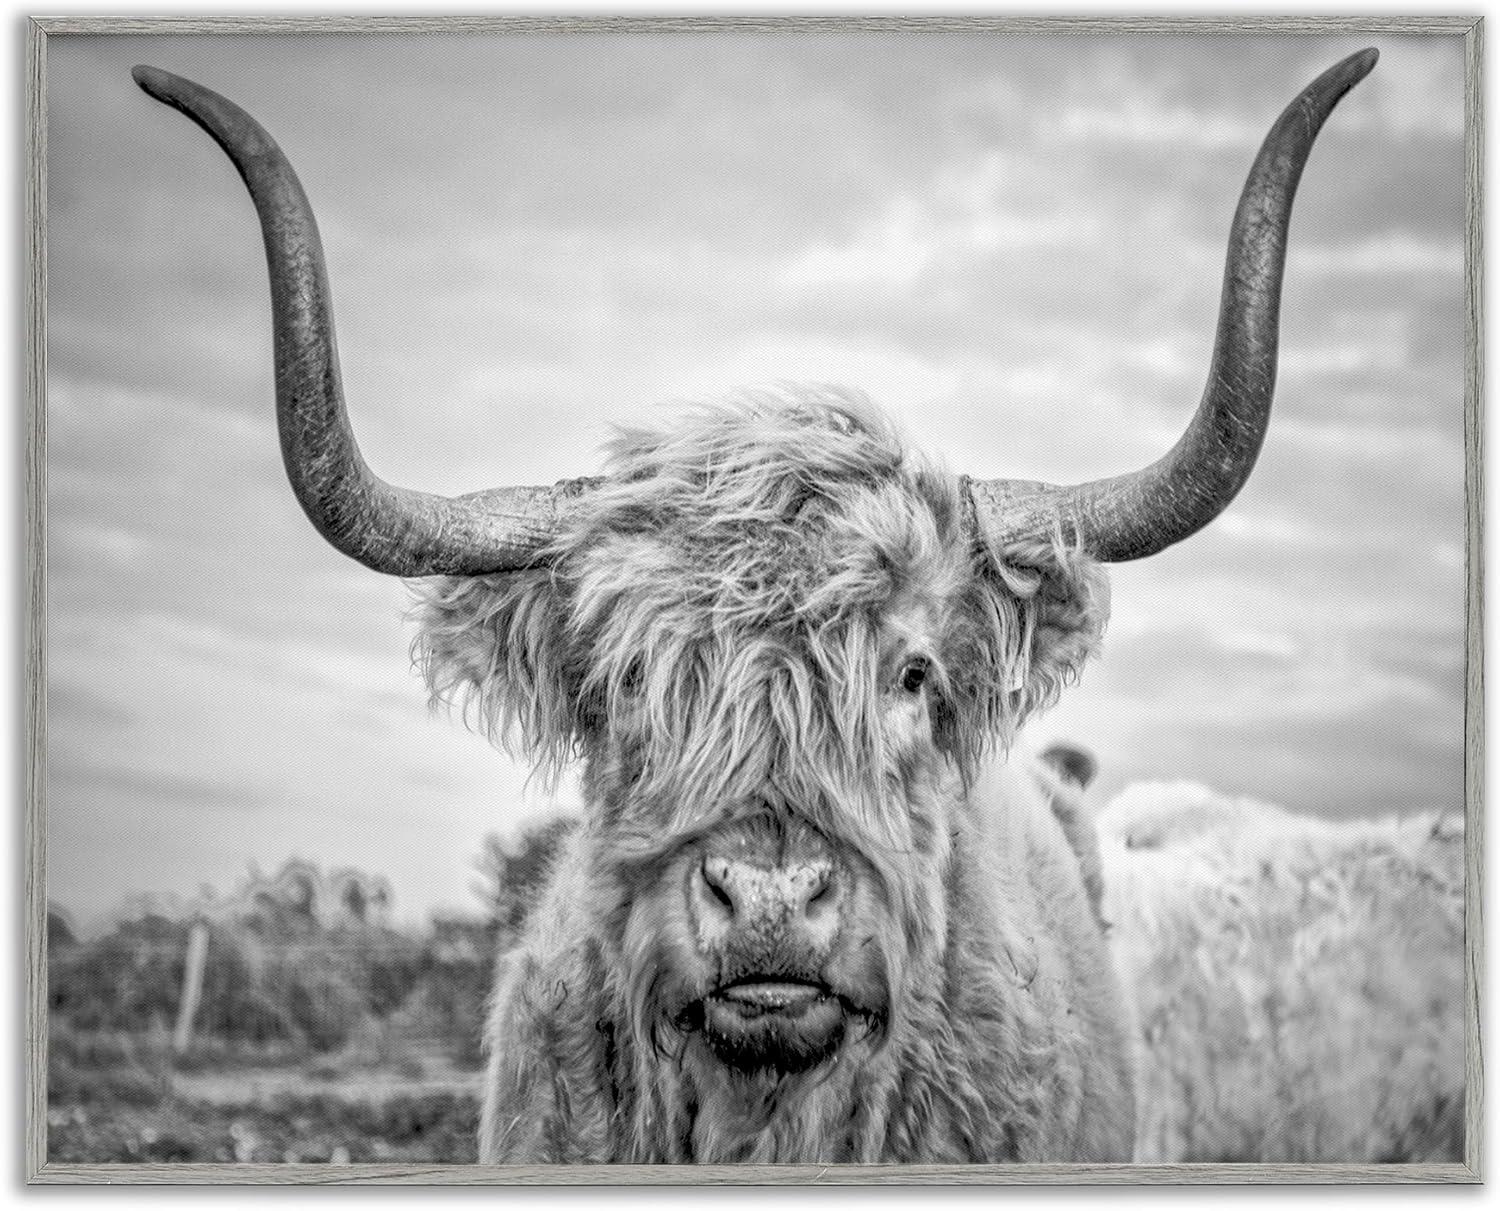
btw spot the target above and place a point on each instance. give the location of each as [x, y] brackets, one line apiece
[1278, 530]
[1270, 644]
[895, 249]
[1448, 555]
[895, 380]
[1343, 358]
[1383, 254]
[112, 543]
[961, 215]
[1145, 122]
[1160, 356]
[1412, 455]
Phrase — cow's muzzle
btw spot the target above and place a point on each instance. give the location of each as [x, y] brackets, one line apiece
[768, 898]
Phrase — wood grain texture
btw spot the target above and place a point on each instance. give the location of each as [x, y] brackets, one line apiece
[38, 30]
[757, 1175]
[1474, 668]
[355, 24]
[35, 596]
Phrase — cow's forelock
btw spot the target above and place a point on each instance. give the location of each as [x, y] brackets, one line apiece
[726, 622]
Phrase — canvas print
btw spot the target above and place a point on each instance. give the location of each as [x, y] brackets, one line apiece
[786, 628]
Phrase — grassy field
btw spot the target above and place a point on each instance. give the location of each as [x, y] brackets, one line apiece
[116, 1099]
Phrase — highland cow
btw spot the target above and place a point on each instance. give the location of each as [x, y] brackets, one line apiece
[1299, 982]
[812, 912]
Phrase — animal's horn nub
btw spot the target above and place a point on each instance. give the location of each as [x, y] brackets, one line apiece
[1132, 516]
[387, 528]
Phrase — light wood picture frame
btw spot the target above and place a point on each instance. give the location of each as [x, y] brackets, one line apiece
[866, 277]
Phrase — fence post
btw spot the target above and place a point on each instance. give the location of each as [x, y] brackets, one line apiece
[192, 985]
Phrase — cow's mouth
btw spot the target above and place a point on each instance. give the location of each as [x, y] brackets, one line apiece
[758, 1022]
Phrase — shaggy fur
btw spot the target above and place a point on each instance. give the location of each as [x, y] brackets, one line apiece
[1299, 982]
[721, 638]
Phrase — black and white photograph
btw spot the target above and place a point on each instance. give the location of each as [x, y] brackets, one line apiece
[847, 597]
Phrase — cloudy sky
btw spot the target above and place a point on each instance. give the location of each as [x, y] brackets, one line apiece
[1012, 243]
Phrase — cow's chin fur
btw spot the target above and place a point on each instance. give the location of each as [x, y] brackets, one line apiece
[779, 1099]
[770, 1114]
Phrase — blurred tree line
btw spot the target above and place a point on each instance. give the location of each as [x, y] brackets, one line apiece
[283, 978]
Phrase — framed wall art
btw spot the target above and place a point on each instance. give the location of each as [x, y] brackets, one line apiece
[786, 640]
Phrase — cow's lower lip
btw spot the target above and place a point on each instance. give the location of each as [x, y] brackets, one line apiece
[780, 1025]
[752, 998]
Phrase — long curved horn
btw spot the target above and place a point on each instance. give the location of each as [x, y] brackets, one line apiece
[390, 529]
[1132, 516]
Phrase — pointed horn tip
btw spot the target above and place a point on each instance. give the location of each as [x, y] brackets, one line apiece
[165, 87]
[1349, 72]
[1334, 84]
[152, 79]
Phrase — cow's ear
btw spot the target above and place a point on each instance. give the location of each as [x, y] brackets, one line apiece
[1064, 607]
[1031, 616]
[497, 647]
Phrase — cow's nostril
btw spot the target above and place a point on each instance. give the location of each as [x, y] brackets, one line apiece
[716, 879]
[825, 895]
[822, 889]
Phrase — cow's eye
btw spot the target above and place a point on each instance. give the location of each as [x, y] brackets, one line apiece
[914, 674]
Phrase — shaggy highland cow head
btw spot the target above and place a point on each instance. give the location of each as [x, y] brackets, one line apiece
[777, 652]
